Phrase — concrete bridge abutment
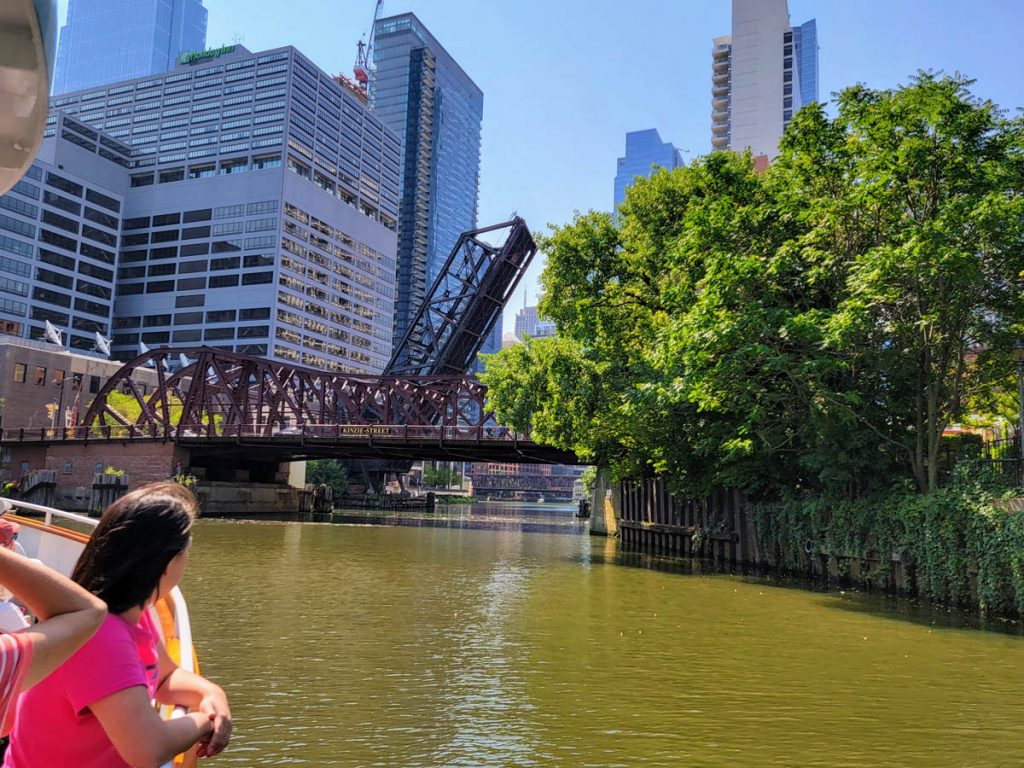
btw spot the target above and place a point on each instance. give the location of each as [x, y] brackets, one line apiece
[249, 489]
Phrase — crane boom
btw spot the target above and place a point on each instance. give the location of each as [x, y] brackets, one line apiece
[364, 51]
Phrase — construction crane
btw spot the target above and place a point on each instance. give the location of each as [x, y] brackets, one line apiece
[364, 52]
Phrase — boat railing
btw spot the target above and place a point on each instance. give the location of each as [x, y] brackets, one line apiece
[49, 513]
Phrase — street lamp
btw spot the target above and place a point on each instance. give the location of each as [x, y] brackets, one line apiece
[1018, 357]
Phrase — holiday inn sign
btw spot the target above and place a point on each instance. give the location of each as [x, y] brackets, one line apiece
[193, 56]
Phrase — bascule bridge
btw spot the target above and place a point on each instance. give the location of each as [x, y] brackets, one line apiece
[237, 419]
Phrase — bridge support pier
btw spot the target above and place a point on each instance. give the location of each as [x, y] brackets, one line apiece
[242, 489]
[605, 507]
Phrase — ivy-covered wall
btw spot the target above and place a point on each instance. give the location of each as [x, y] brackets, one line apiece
[960, 545]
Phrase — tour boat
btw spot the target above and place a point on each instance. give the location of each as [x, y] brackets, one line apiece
[58, 539]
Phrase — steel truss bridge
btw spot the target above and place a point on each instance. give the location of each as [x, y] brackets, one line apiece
[238, 408]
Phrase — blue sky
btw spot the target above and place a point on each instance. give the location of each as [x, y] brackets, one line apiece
[564, 80]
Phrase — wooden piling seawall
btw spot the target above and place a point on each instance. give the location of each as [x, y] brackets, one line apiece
[722, 528]
[106, 489]
[718, 527]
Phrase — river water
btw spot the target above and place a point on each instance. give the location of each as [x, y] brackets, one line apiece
[497, 635]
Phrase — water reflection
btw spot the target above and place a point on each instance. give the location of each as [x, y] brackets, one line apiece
[489, 515]
[485, 643]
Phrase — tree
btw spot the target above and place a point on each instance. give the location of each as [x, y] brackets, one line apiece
[441, 476]
[812, 327]
[328, 472]
[933, 296]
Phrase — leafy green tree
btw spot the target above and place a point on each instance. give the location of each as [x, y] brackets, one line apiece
[813, 327]
[933, 296]
[441, 476]
[328, 472]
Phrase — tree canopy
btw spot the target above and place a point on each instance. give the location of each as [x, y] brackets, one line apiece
[814, 326]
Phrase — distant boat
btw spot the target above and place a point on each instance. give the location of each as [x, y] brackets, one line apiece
[540, 499]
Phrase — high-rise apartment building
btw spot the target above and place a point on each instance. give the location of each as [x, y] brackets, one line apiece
[644, 150]
[419, 91]
[106, 41]
[761, 74]
[244, 201]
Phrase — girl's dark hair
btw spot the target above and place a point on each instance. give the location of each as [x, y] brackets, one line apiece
[136, 538]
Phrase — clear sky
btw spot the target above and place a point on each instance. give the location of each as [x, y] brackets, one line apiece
[564, 80]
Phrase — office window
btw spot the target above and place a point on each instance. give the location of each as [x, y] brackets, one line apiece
[63, 184]
[189, 267]
[231, 262]
[194, 233]
[202, 214]
[175, 174]
[19, 372]
[160, 270]
[259, 260]
[195, 249]
[192, 284]
[139, 222]
[40, 376]
[224, 281]
[215, 334]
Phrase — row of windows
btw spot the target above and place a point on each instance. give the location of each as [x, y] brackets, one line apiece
[196, 283]
[195, 318]
[233, 165]
[254, 261]
[187, 335]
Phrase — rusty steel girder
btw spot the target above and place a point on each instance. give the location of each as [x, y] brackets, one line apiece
[223, 392]
[465, 301]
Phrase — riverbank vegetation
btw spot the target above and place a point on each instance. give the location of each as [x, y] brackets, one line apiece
[805, 334]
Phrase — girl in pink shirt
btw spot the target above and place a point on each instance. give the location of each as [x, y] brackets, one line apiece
[68, 616]
[96, 710]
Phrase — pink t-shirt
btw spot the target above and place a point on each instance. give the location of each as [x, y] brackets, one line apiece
[55, 728]
[15, 657]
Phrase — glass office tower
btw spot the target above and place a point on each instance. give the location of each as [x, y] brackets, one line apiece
[106, 41]
[805, 43]
[644, 149]
[420, 92]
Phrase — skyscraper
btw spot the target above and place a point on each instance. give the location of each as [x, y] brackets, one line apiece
[421, 93]
[106, 41]
[243, 201]
[761, 74]
[644, 149]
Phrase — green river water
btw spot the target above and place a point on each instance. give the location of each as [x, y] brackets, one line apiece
[497, 635]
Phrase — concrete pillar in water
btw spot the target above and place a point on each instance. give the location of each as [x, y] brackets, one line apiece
[605, 512]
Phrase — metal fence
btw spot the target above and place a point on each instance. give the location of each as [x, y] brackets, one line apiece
[1000, 459]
